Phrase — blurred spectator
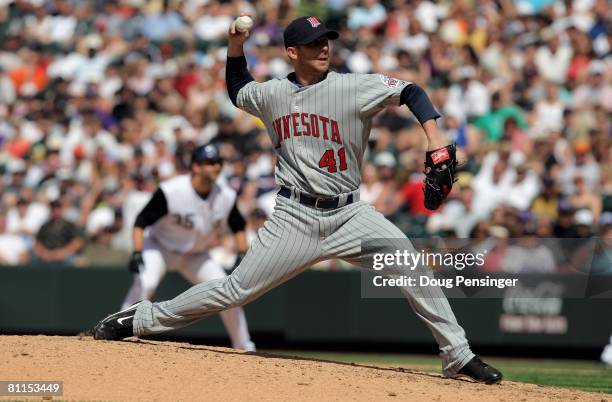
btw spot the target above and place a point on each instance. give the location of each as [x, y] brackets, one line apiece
[30, 77]
[468, 98]
[163, 25]
[412, 196]
[59, 26]
[13, 248]
[553, 57]
[465, 136]
[386, 201]
[492, 183]
[584, 165]
[7, 88]
[58, 240]
[583, 219]
[523, 190]
[100, 249]
[598, 31]
[369, 14]
[584, 198]
[25, 219]
[496, 249]
[17, 169]
[415, 41]
[602, 257]
[546, 205]
[549, 111]
[492, 123]
[480, 231]
[213, 23]
[519, 139]
[564, 226]
[530, 254]
[595, 91]
[370, 186]
[544, 227]
[595, 257]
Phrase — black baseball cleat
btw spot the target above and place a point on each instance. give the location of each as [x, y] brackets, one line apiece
[116, 326]
[480, 371]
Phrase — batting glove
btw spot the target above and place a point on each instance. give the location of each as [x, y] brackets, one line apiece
[135, 262]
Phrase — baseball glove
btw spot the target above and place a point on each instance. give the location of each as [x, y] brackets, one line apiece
[440, 174]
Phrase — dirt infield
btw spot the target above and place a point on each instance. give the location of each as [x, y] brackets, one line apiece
[167, 371]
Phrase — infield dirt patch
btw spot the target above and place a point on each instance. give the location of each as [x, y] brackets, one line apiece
[168, 371]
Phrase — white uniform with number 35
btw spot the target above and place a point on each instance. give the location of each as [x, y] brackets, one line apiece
[180, 240]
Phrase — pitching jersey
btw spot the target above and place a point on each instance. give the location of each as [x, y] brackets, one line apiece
[320, 131]
[192, 223]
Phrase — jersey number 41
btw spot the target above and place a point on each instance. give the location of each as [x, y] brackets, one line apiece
[328, 160]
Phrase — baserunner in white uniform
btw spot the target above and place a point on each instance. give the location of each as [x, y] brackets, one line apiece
[319, 122]
[175, 230]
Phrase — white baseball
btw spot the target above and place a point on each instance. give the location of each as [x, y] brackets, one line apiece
[243, 23]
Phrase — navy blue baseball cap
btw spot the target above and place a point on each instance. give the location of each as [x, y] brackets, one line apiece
[304, 30]
[205, 153]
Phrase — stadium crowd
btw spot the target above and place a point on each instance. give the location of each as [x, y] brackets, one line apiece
[100, 101]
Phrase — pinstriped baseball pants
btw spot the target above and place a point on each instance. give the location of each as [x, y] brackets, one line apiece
[294, 238]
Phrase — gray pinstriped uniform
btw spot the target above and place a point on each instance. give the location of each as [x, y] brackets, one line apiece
[320, 133]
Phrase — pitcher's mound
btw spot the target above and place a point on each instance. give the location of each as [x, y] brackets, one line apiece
[167, 371]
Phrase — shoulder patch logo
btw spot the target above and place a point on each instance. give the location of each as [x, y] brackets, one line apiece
[390, 82]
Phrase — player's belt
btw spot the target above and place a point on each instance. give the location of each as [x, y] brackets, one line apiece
[316, 202]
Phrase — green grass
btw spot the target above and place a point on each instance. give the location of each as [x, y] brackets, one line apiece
[578, 374]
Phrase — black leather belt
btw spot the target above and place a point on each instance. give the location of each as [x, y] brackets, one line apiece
[316, 202]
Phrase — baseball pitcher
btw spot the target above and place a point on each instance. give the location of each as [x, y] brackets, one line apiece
[319, 122]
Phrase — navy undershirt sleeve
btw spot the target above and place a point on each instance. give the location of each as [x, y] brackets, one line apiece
[236, 76]
[236, 220]
[153, 211]
[418, 102]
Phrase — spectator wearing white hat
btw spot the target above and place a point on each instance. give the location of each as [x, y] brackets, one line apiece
[583, 218]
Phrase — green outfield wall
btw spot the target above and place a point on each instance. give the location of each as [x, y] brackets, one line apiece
[317, 306]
